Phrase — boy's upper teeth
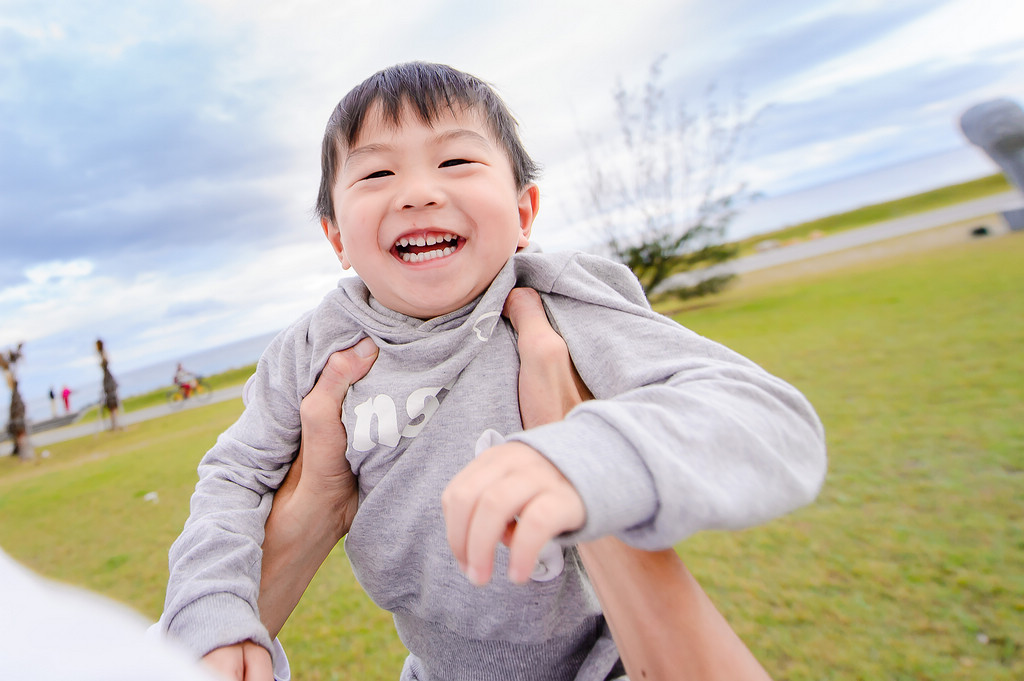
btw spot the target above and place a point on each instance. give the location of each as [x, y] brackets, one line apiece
[429, 240]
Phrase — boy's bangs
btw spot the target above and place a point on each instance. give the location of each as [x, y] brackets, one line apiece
[430, 92]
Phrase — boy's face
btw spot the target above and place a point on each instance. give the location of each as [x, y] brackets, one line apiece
[427, 215]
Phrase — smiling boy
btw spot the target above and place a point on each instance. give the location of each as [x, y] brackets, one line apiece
[427, 213]
[428, 195]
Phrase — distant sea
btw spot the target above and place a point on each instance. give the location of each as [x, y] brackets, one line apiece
[144, 379]
[886, 184]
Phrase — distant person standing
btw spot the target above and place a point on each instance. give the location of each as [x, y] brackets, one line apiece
[53, 403]
[110, 400]
[66, 396]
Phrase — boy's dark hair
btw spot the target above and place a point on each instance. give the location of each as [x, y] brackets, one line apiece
[429, 89]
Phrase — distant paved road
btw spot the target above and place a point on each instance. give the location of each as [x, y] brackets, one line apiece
[48, 437]
[881, 231]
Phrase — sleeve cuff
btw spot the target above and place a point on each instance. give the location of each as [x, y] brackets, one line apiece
[218, 620]
[282, 670]
[589, 454]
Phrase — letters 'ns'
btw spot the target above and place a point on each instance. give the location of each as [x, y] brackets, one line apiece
[421, 404]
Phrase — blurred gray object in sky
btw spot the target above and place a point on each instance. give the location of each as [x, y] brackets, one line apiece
[997, 126]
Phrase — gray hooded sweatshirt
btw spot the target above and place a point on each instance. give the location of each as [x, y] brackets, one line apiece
[684, 435]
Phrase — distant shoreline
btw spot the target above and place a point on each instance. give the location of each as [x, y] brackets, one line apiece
[247, 351]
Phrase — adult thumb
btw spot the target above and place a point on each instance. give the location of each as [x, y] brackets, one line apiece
[344, 368]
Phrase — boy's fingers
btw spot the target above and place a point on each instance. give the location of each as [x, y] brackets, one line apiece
[497, 507]
[484, 499]
[459, 500]
[540, 522]
[258, 666]
[245, 661]
[227, 661]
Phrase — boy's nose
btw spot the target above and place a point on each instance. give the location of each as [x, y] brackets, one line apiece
[418, 191]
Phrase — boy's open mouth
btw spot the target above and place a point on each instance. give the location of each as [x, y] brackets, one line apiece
[423, 247]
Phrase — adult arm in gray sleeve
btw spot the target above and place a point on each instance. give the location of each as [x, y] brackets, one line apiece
[684, 435]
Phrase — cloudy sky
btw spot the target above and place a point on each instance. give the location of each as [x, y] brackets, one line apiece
[159, 160]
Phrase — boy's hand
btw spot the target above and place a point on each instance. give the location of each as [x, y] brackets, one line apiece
[245, 661]
[481, 502]
[511, 494]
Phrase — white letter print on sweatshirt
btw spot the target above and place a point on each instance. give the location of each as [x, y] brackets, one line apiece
[421, 402]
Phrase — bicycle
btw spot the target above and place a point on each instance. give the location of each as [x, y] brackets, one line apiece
[198, 392]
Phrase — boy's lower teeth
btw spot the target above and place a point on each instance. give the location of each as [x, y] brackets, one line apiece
[427, 255]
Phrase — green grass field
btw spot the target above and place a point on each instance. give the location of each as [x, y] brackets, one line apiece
[910, 565]
[915, 548]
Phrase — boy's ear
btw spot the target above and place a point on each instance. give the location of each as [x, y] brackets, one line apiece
[529, 204]
[333, 235]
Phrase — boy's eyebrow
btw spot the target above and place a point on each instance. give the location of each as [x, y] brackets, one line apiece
[372, 148]
[461, 133]
[441, 138]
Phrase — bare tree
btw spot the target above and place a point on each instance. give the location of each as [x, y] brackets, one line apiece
[17, 425]
[662, 190]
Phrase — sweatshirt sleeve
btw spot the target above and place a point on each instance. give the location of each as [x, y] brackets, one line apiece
[215, 563]
[684, 434]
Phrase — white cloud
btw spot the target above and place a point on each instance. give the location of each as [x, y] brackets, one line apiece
[955, 32]
[59, 270]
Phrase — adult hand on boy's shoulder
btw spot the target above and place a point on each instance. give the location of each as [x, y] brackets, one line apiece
[511, 494]
[323, 436]
[245, 661]
[549, 386]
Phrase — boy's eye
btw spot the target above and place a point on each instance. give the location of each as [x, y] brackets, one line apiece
[379, 173]
[454, 162]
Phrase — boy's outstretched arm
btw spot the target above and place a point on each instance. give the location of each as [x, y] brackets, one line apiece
[310, 514]
[685, 434]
